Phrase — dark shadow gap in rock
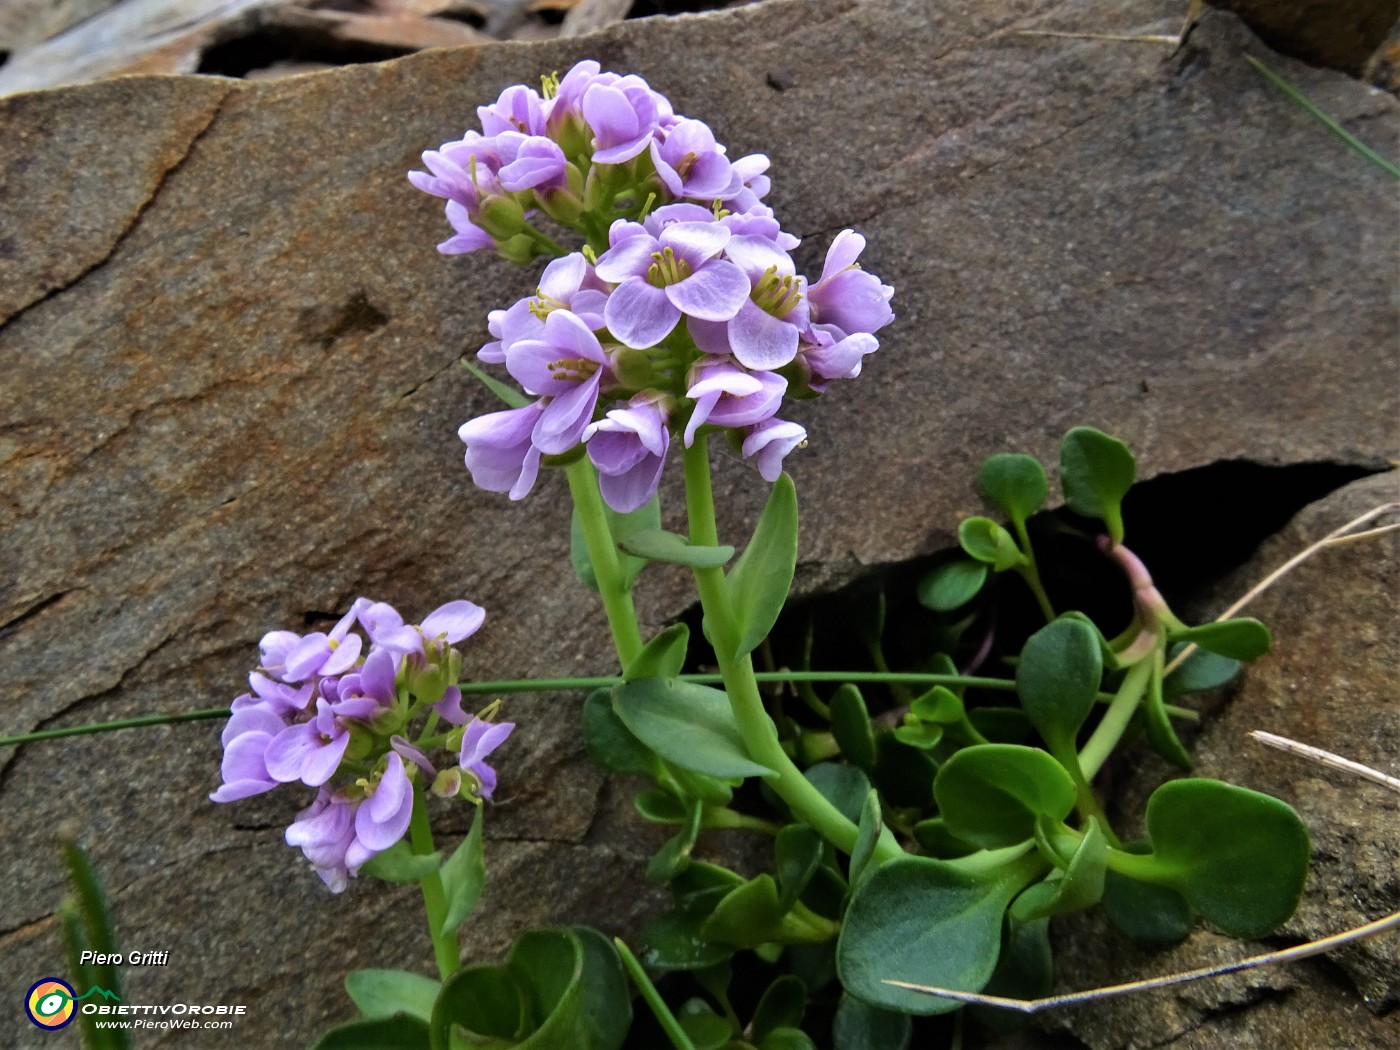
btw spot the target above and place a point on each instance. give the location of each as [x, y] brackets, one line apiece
[1191, 528]
[270, 45]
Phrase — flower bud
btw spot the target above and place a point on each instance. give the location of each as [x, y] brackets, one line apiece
[633, 368]
[519, 249]
[448, 783]
[501, 217]
[428, 683]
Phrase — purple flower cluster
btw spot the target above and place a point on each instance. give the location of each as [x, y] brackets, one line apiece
[684, 311]
[318, 708]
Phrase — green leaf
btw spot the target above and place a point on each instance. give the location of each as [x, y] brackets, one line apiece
[488, 1003]
[940, 704]
[868, 834]
[783, 1005]
[1146, 912]
[749, 915]
[507, 393]
[935, 840]
[621, 526]
[786, 1039]
[706, 1029]
[607, 999]
[923, 735]
[926, 922]
[952, 585]
[662, 657]
[1201, 670]
[1239, 857]
[1001, 725]
[991, 794]
[797, 853]
[1058, 678]
[384, 993]
[549, 963]
[985, 540]
[1241, 639]
[400, 864]
[464, 876]
[658, 545]
[845, 787]
[1077, 888]
[609, 742]
[673, 940]
[860, 1026]
[690, 725]
[394, 1033]
[1096, 472]
[850, 725]
[1015, 483]
[760, 580]
[660, 806]
[674, 856]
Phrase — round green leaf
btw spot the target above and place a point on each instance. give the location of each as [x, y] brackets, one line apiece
[783, 1004]
[662, 657]
[1058, 678]
[1015, 483]
[749, 915]
[1145, 911]
[985, 540]
[673, 942]
[1201, 670]
[705, 1029]
[549, 963]
[953, 585]
[926, 922]
[690, 725]
[860, 1026]
[487, 1002]
[607, 998]
[1096, 472]
[940, 704]
[787, 1039]
[1239, 857]
[384, 993]
[869, 833]
[991, 794]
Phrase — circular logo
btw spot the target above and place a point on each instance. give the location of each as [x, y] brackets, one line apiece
[49, 1003]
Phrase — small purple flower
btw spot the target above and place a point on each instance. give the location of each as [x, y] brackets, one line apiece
[519, 109]
[624, 115]
[628, 446]
[325, 654]
[730, 396]
[479, 740]
[828, 353]
[311, 751]
[764, 333]
[847, 296]
[325, 831]
[500, 453]
[453, 622]
[769, 442]
[660, 278]
[539, 164]
[250, 729]
[690, 163]
[566, 365]
[383, 816]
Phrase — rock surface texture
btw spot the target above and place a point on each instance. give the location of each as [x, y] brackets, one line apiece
[232, 388]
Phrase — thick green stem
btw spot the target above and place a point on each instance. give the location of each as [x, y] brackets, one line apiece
[434, 898]
[1115, 720]
[761, 737]
[602, 551]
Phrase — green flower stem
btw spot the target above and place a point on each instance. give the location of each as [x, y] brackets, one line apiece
[662, 1012]
[807, 803]
[1030, 573]
[602, 551]
[1115, 720]
[1140, 866]
[434, 898]
[546, 242]
[124, 723]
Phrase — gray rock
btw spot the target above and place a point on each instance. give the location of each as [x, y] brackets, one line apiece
[232, 386]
